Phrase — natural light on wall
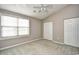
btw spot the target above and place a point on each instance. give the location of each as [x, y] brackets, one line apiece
[11, 26]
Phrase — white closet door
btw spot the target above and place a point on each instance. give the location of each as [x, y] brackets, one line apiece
[48, 31]
[71, 32]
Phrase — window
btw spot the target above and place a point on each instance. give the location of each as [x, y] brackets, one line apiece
[23, 26]
[11, 26]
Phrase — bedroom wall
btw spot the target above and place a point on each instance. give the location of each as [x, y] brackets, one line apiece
[58, 19]
[35, 30]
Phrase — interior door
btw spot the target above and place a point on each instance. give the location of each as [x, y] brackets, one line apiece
[71, 32]
[48, 31]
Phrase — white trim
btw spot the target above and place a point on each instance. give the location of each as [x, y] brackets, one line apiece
[61, 43]
[64, 44]
[57, 42]
[19, 44]
[13, 37]
[54, 41]
[17, 35]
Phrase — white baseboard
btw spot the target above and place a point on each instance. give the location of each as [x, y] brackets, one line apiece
[61, 43]
[54, 41]
[18, 44]
[57, 42]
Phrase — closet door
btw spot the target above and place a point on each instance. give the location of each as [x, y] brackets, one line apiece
[48, 31]
[71, 32]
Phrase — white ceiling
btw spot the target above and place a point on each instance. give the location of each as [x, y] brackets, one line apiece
[27, 9]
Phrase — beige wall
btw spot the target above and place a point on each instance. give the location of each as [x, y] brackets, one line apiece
[35, 30]
[36, 25]
[58, 20]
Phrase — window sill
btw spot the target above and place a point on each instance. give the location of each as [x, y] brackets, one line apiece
[13, 37]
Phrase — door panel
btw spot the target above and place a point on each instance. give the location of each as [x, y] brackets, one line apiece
[48, 31]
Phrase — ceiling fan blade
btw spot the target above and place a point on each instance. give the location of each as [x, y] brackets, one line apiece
[36, 7]
[43, 6]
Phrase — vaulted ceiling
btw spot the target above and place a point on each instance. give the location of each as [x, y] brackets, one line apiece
[28, 9]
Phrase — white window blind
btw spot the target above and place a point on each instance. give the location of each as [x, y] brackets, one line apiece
[11, 26]
[9, 31]
[8, 21]
[23, 23]
[23, 31]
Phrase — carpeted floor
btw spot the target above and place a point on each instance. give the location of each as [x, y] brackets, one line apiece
[41, 47]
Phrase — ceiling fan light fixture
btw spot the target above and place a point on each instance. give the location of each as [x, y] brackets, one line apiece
[42, 8]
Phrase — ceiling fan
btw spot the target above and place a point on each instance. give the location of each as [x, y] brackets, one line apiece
[42, 8]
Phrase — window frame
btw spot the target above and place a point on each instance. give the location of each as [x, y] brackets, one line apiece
[17, 27]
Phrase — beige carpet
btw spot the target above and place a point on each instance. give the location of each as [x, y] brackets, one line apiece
[41, 47]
